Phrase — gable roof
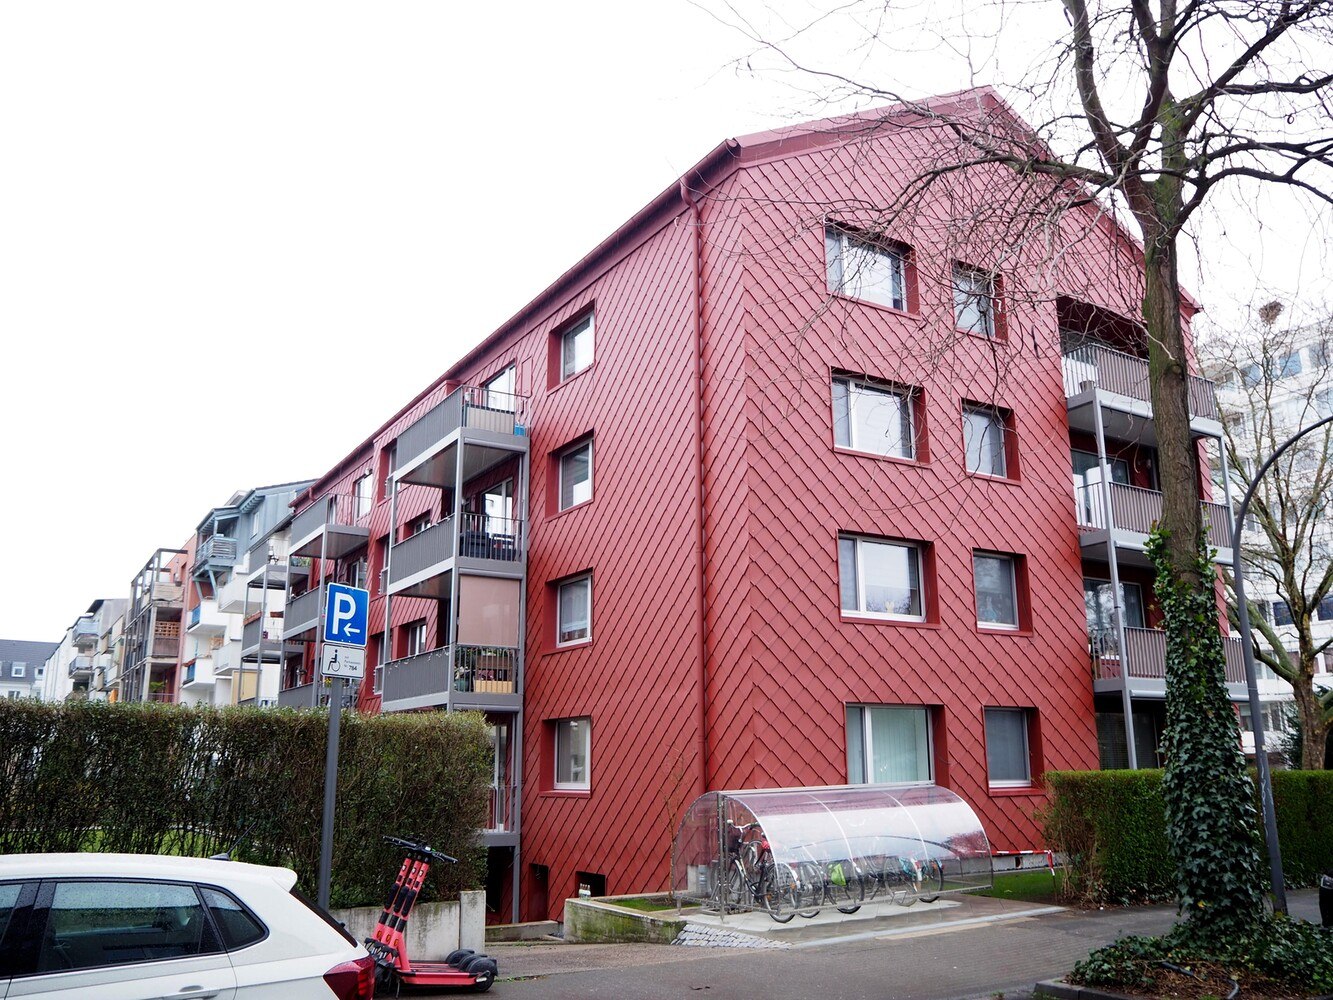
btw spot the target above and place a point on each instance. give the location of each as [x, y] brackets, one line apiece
[24, 651]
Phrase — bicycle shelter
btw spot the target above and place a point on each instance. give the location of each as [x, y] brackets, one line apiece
[867, 833]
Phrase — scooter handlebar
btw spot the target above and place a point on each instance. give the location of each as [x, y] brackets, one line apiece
[418, 848]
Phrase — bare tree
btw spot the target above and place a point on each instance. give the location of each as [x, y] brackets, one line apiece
[1278, 380]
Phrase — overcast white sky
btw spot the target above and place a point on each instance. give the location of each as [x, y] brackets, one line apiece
[213, 215]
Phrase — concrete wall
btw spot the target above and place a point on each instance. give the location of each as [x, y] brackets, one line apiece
[433, 930]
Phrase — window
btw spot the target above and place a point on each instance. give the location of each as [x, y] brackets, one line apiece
[1325, 610]
[9, 897]
[984, 440]
[1008, 761]
[101, 923]
[996, 579]
[498, 391]
[574, 611]
[18, 669]
[377, 677]
[573, 743]
[865, 269]
[363, 489]
[1282, 613]
[358, 573]
[418, 524]
[576, 475]
[868, 416]
[973, 301]
[1290, 365]
[388, 459]
[888, 744]
[237, 925]
[881, 578]
[576, 348]
[414, 638]
[1099, 606]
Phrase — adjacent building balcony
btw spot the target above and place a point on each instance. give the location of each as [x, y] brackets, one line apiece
[1141, 665]
[198, 674]
[502, 821]
[301, 696]
[331, 527]
[206, 619]
[301, 616]
[81, 668]
[419, 566]
[1132, 514]
[1119, 382]
[488, 422]
[215, 554]
[459, 676]
[226, 659]
[165, 594]
[85, 632]
[231, 599]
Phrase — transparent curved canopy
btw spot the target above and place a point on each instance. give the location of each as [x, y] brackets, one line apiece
[874, 826]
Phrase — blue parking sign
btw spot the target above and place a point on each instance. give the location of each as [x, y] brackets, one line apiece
[346, 614]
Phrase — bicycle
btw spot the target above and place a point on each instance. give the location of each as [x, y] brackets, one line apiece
[754, 877]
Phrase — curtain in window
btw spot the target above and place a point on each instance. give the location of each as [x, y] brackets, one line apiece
[892, 578]
[576, 476]
[983, 435]
[1007, 745]
[996, 604]
[900, 744]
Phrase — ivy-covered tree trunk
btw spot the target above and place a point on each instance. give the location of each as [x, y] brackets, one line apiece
[1210, 816]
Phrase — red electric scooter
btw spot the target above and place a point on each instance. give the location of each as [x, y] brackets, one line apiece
[463, 969]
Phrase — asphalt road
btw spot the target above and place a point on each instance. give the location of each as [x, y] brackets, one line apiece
[1006, 957]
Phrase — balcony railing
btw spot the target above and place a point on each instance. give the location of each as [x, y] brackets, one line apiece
[467, 406]
[302, 612]
[1144, 656]
[504, 800]
[421, 551]
[484, 537]
[1125, 375]
[1137, 510]
[332, 510]
[472, 670]
[301, 696]
[81, 666]
[217, 552]
[260, 627]
[85, 632]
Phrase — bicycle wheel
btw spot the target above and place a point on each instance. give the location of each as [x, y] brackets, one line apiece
[778, 893]
[932, 880]
[910, 874]
[809, 889]
[844, 886]
[737, 890]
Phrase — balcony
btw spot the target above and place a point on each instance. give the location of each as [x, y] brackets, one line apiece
[85, 632]
[419, 566]
[1143, 665]
[205, 619]
[301, 696]
[232, 596]
[476, 677]
[81, 667]
[1132, 514]
[1120, 382]
[198, 675]
[502, 821]
[166, 594]
[216, 554]
[488, 422]
[329, 527]
[302, 614]
[262, 640]
[226, 659]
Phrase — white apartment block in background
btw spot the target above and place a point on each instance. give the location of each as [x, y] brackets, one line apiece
[68, 671]
[22, 667]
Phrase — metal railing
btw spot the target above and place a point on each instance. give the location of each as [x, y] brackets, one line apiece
[302, 609]
[301, 696]
[469, 669]
[467, 406]
[80, 665]
[1127, 375]
[484, 537]
[421, 551]
[217, 550]
[332, 508]
[1145, 655]
[502, 812]
[85, 630]
[269, 628]
[1136, 509]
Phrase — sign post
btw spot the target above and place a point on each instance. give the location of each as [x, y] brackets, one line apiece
[343, 657]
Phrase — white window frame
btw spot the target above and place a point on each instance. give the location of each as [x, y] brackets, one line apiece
[972, 287]
[418, 634]
[1012, 560]
[840, 244]
[917, 548]
[569, 358]
[564, 726]
[858, 389]
[560, 477]
[582, 640]
[1026, 715]
[18, 669]
[501, 384]
[868, 742]
[996, 421]
[363, 488]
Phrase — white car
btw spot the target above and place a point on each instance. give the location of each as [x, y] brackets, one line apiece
[140, 927]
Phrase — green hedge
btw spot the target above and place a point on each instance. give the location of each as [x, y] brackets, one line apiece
[1111, 826]
[92, 776]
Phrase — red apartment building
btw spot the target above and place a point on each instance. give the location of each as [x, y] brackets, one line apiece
[764, 492]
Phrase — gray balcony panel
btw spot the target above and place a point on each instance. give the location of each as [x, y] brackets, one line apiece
[420, 681]
[425, 435]
[302, 614]
[297, 697]
[426, 550]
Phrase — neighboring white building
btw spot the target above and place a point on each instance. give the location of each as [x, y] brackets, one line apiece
[1267, 400]
[68, 670]
[22, 666]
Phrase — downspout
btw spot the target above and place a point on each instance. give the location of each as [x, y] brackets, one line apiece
[701, 672]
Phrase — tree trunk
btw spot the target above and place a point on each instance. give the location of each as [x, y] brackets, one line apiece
[1314, 728]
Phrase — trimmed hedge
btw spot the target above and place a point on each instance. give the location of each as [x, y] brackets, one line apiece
[155, 779]
[1111, 827]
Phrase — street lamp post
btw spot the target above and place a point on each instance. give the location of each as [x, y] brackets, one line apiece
[1251, 679]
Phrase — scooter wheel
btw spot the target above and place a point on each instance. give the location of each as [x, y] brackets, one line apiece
[478, 962]
[459, 958]
[485, 970]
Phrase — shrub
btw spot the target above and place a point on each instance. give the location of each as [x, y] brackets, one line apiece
[1111, 827]
[150, 778]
